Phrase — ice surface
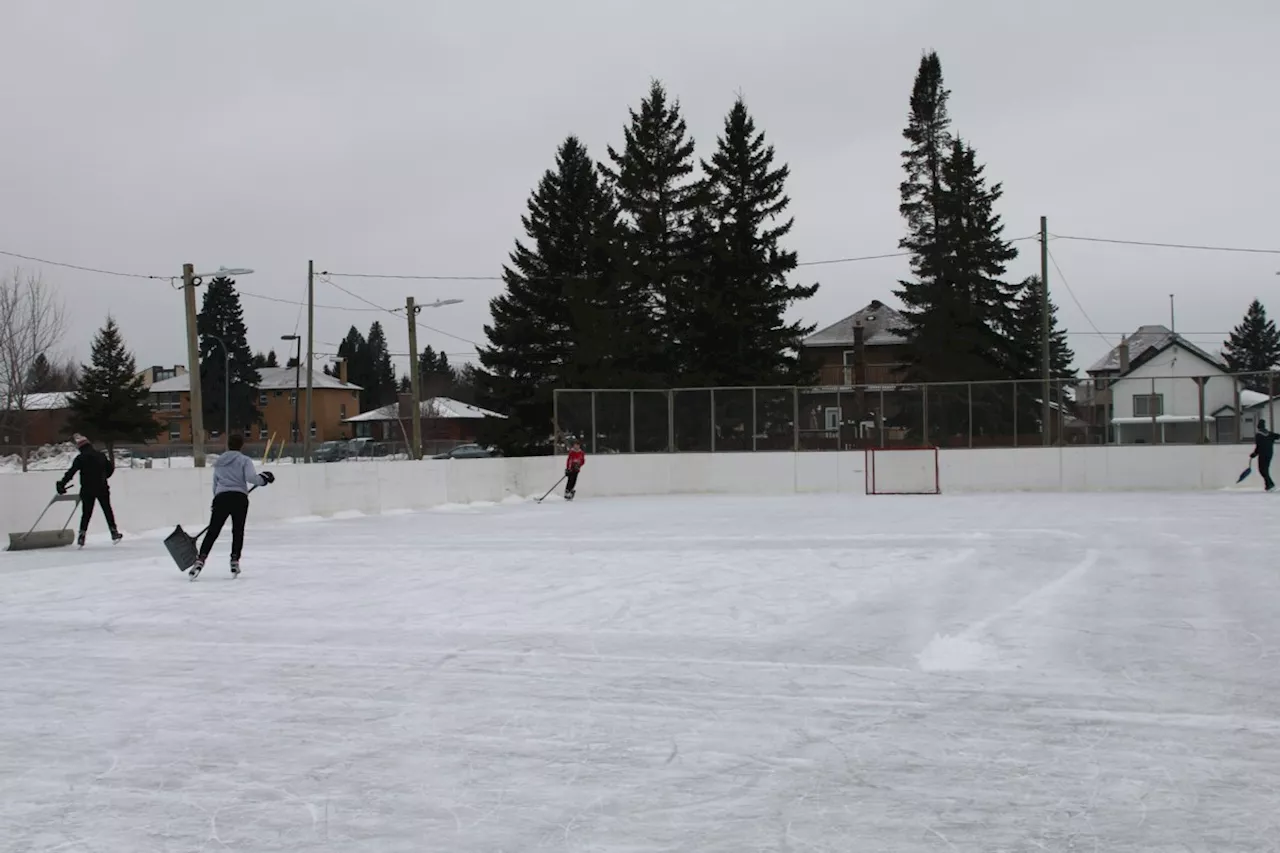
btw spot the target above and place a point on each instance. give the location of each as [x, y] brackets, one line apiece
[809, 673]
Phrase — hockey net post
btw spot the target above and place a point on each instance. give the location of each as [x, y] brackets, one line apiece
[902, 471]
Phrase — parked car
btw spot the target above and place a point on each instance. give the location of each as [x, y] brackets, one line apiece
[468, 451]
[330, 451]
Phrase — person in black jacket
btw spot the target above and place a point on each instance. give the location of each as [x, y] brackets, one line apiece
[94, 468]
[1264, 445]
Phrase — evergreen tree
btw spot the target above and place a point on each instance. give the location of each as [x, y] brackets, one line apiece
[734, 307]
[657, 196]
[1027, 337]
[406, 384]
[381, 389]
[559, 320]
[1253, 347]
[111, 403]
[435, 374]
[46, 377]
[221, 322]
[269, 360]
[355, 351]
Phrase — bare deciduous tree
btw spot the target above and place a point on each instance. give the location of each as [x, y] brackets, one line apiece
[32, 322]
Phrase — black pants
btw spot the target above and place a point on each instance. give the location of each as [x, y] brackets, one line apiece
[572, 480]
[86, 509]
[1264, 468]
[228, 504]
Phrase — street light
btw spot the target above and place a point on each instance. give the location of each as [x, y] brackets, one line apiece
[190, 281]
[226, 388]
[297, 372]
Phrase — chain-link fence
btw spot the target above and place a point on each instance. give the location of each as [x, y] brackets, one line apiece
[1155, 409]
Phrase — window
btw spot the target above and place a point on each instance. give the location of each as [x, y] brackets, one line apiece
[1148, 405]
[313, 429]
[342, 411]
[279, 393]
[262, 431]
[262, 398]
[175, 431]
[832, 418]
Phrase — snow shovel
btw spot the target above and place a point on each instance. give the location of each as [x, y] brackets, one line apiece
[47, 538]
[181, 545]
[1244, 474]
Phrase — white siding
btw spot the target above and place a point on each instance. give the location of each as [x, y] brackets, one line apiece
[1181, 395]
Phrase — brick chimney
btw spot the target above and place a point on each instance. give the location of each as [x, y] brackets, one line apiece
[1124, 355]
[405, 407]
[342, 371]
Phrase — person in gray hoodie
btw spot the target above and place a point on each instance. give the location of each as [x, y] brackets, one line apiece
[232, 474]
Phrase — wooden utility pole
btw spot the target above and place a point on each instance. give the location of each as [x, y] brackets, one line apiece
[311, 355]
[1044, 323]
[193, 366]
[411, 310]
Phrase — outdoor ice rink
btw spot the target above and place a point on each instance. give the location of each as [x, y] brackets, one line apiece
[811, 673]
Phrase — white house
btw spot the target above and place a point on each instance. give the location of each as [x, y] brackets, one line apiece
[1149, 390]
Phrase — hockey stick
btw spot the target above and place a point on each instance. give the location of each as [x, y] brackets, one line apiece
[553, 488]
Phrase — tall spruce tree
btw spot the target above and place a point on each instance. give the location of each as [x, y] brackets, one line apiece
[653, 179]
[111, 404]
[381, 388]
[561, 317]
[354, 350]
[221, 317]
[45, 376]
[1254, 347]
[1027, 337]
[735, 306]
[435, 375]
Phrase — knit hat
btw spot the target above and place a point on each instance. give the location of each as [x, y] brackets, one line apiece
[80, 440]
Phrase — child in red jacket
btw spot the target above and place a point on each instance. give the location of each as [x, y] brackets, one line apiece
[572, 466]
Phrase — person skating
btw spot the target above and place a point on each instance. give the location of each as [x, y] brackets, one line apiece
[572, 465]
[95, 469]
[1264, 445]
[232, 474]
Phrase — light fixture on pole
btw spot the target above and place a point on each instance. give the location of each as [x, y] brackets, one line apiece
[190, 281]
[297, 381]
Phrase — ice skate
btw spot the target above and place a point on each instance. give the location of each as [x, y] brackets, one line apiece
[116, 536]
[80, 539]
[235, 568]
[194, 571]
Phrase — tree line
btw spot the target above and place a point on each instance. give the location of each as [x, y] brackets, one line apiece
[657, 269]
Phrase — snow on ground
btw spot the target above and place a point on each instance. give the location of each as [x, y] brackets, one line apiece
[809, 673]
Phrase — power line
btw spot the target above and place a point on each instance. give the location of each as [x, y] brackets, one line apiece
[246, 293]
[421, 325]
[1169, 245]
[1067, 285]
[88, 269]
[416, 277]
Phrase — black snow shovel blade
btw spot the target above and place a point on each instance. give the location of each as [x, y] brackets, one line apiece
[182, 547]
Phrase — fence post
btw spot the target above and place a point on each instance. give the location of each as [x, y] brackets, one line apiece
[671, 420]
[1152, 405]
[555, 420]
[924, 414]
[795, 418]
[1015, 413]
[712, 393]
[632, 394]
[839, 422]
[1235, 392]
[754, 430]
[593, 422]
[884, 441]
[1271, 403]
[970, 387]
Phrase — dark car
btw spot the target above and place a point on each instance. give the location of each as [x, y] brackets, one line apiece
[467, 451]
[330, 451]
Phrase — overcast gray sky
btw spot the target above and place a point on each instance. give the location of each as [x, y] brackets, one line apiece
[404, 136]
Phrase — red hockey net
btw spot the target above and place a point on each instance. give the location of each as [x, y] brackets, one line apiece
[902, 471]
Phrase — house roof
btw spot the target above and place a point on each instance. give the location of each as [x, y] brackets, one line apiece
[273, 379]
[881, 326]
[1145, 344]
[445, 408]
[45, 402]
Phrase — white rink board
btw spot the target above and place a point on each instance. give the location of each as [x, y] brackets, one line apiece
[716, 673]
[154, 499]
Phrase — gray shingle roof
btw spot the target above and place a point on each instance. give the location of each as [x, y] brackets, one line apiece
[881, 325]
[1147, 339]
